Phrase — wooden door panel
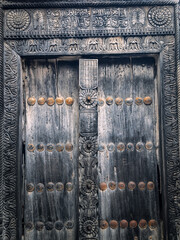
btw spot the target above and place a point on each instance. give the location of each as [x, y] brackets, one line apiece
[127, 131]
[51, 150]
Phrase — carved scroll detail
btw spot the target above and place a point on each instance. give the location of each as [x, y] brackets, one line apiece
[10, 136]
[88, 197]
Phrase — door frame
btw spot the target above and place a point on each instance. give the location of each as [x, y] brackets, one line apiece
[162, 43]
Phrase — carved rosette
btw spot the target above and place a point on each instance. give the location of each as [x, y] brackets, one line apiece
[88, 148]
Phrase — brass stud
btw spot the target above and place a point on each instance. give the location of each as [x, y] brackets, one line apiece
[121, 185]
[133, 224]
[59, 186]
[50, 147]
[69, 225]
[69, 147]
[50, 101]
[59, 225]
[124, 224]
[149, 145]
[69, 101]
[103, 186]
[109, 100]
[150, 185]
[59, 147]
[39, 226]
[40, 187]
[147, 100]
[121, 147]
[104, 224]
[30, 187]
[111, 147]
[101, 102]
[29, 226]
[139, 101]
[31, 148]
[143, 224]
[69, 187]
[153, 224]
[40, 147]
[59, 100]
[113, 224]
[102, 148]
[139, 146]
[50, 187]
[31, 101]
[41, 101]
[119, 101]
[112, 185]
[49, 226]
[130, 147]
[129, 101]
[135, 238]
[131, 185]
[142, 186]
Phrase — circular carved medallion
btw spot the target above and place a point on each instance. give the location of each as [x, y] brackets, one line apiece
[88, 98]
[88, 146]
[88, 186]
[89, 227]
[159, 16]
[18, 19]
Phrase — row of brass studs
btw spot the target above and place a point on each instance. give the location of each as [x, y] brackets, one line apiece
[128, 101]
[129, 146]
[50, 147]
[132, 224]
[50, 101]
[30, 187]
[131, 186]
[58, 225]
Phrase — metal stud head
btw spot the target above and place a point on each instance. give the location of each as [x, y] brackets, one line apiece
[29, 226]
[112, 185]
[69, 101]
[104, 224]
[40, 147]
[113, 224]
[59, 225]
[139, 101]
[50, 187]
[123, 224]
[40, 187]
[147, 100]
[30, 187]
[39, 226]
[31, 101]
[109, 100]
[59, 147]
[121, 147]
[41, 101]
[153, 224]
[69, 147]
[101, 148]
[150, 185]
[129, 101]
[31, 148]
[139, 146]
[50, 147]
[130, 147]
[131, 185]
[69, 187]
[101, 102]
[143, 224]
[103, 186]
[119, 101]
[121, 185]
[50, 101]
[149, 145]
[111, 147]
[69, 225]
[133, 224]
[59, 186]
[142, 186]
[49, 226]
[60, 100]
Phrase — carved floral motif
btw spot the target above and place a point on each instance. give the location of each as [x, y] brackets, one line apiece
[159, 16]
[18, 20]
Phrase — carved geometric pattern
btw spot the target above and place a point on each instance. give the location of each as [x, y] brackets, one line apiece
[18, 20]
[159, 16]
[88, 98]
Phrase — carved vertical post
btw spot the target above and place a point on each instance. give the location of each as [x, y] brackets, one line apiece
[1, 115]
[88, 174]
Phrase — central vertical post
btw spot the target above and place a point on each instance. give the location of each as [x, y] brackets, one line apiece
[88, 152]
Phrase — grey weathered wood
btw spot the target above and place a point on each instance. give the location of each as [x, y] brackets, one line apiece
[128, 77]
[51, 124]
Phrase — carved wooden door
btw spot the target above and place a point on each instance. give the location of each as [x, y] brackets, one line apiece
[91, 149]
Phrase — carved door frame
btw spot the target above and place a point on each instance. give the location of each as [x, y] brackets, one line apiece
[161, 43]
